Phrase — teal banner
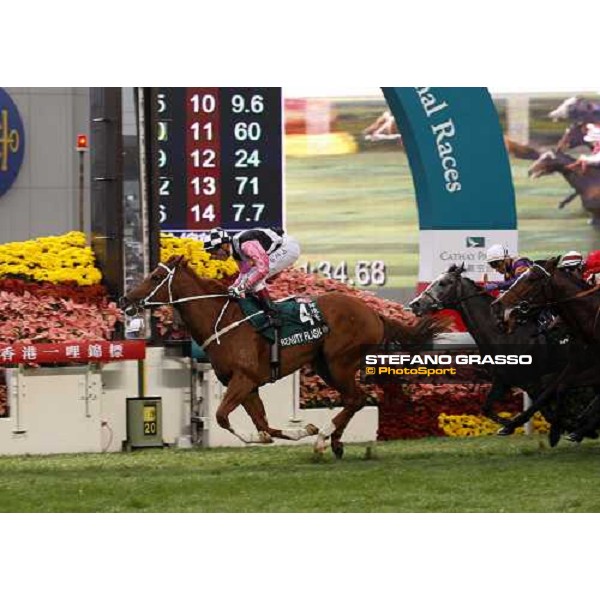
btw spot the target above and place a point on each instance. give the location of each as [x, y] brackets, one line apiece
[457, 156]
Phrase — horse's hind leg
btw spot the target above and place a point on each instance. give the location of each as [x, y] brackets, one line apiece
[255, 408]
[343, 379]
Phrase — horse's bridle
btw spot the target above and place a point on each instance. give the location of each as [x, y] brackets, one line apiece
[169, 280]
[439, 304]
[145, 302]
[525, 305]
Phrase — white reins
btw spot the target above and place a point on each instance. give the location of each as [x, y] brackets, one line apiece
[169, 278]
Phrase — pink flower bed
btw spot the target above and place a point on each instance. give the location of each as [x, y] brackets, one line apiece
[45, 317]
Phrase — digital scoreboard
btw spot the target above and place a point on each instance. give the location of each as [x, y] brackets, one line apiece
[220, 159]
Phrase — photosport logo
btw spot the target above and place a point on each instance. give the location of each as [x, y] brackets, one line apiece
[446, 364]
[12, 142]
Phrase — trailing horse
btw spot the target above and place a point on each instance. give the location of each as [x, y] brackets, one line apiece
[240, 354]
[586, 185]
[452, 290]
[579, 307]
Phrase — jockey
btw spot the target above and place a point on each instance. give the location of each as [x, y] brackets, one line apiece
[593, 159]
[260, 254]
[499, 259]
[572, 262]
[592, 268]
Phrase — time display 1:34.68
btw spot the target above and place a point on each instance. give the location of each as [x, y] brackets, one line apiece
[364, 273]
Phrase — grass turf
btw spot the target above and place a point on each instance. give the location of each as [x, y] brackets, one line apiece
[433, 475]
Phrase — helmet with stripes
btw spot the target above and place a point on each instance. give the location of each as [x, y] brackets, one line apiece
[216, 238]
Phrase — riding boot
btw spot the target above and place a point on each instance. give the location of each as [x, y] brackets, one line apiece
[274, 320]
[266, 304]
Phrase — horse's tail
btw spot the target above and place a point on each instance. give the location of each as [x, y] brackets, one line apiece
[420, 333]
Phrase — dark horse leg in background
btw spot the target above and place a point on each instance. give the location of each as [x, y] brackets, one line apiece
[568, 378]
[497, 393]
[567, 200]
[589, 420]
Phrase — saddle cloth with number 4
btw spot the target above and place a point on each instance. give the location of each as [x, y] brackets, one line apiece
[301, 318]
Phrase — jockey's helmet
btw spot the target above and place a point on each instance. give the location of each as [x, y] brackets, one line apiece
[496, 253]
[570, 260]
[216, 238]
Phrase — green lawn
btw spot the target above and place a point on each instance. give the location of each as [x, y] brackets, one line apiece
[361, 207]
[433, 475]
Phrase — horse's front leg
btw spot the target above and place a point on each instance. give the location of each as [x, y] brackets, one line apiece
[239, 389]
[559, 383]
[255, 408]
[567, 200]
[497, 392]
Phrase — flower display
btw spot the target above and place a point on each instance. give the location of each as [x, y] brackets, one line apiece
[476, 425]
[414, 410]
[198, 258]
[46, 318]
[50, 292]
[54, 259]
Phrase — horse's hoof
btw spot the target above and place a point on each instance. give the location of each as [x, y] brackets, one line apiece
[338, 449]
[265, 437]
[506, 430]
[574, 437]
[311, 429]
[320, 446]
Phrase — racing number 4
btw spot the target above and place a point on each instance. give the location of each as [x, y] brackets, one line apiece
[305, 315]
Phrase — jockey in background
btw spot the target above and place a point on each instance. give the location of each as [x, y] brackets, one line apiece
[593, 159]
[591, 273]
[260, 254]
[500, 260]
[572, 262]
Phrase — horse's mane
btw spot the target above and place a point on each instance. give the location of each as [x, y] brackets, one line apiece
[212, 286]
[578, 281]
[459, 269]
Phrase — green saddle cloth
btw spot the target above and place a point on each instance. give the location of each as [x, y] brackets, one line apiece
[301, 319]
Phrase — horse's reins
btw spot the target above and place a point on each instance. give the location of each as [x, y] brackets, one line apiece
[169, 280]
[438, 304]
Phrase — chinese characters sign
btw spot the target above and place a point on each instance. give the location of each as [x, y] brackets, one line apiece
[72, 352]
[12, 142]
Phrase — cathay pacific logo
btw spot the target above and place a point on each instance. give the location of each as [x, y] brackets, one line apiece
[475, 242]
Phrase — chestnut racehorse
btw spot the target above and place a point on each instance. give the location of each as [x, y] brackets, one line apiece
[240, 355]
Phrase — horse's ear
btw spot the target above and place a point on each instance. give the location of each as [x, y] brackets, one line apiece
[552, 264]
[462, 268]
[179, 260]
